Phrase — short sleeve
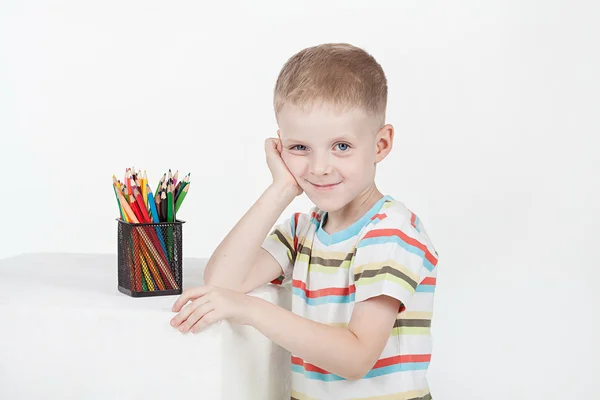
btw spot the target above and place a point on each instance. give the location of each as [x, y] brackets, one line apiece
[282, 244]
[392, 260]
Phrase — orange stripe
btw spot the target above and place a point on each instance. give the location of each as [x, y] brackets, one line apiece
[307, 366]
[384, 362]
[406, 358]
[339, 291]
[380, 216]
[413, 242]
[429, 281]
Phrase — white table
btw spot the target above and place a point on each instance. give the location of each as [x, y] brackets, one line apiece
[66, 332]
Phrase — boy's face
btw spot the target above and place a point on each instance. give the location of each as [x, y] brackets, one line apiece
[332, 155]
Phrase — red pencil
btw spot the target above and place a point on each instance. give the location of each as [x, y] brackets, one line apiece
[141, 205]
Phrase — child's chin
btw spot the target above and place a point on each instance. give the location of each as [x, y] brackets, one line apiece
[326, 204]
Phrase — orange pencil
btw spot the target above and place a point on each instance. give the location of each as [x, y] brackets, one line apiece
[127, 209]
[128, 182]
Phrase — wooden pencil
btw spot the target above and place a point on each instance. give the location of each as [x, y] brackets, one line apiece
[181, 198]
[163, 205]
[127, 208]
[144, 196]
[141, 205]
[160, 182]
[115, 186]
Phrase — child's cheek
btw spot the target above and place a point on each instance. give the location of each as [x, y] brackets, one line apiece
[295, 164]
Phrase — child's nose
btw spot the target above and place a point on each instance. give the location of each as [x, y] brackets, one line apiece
[321, 166]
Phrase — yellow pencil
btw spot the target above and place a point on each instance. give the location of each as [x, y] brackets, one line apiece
[144, 194]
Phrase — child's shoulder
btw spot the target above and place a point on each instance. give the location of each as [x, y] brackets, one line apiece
[395, 219]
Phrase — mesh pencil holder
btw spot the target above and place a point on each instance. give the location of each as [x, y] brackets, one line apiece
[150, 259]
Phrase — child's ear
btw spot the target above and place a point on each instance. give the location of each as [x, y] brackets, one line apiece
[383, 142]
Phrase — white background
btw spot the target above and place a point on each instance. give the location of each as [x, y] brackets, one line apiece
[496, 150]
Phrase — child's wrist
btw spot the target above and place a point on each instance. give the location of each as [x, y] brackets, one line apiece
[254, 310]
[285, 193]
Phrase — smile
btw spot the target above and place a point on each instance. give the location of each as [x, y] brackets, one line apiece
[326, 186]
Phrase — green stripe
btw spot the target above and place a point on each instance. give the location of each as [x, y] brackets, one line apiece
[385, 277]
[410, 331]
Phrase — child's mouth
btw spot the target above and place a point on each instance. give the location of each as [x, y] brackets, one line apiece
[327, 186]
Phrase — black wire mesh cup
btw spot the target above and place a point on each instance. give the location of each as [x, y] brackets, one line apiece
[150, 258]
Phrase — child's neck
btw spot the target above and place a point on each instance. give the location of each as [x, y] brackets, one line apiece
[344, 217]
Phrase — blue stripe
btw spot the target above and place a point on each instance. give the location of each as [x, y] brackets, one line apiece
[324, 299]
[352, 230]
[402, 367]
[315, 222]
[316, 375]
[425, 288]
[401, 243]
[293, 224]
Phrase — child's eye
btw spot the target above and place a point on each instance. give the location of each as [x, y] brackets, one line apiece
[342, 146]
[299, 147]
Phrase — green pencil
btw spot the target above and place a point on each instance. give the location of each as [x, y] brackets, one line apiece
[170, 219]
[181, 198]
[170, 205]
[117, 197]
[159, 185]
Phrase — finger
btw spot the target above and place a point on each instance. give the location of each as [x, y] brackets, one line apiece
[279, 146]
[271, 145]
[196, 316]
[189, 294]
[187, 311]
[208, 319]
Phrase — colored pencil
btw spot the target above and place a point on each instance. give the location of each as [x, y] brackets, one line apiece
[144, 197]
[141, 205]
[163, 206]
[181, 198]
[115, 185]
[170, 204]
[156, 219]
[160, 182]
[150, 255]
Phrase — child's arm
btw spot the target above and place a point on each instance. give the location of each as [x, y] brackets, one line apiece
[349, 352]
[239, 263]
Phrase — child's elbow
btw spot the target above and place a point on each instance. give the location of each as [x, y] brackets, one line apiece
[359, 371]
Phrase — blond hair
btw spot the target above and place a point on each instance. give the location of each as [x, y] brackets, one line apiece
[337, 73]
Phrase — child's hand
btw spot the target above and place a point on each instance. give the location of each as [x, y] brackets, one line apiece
[281, 174]
[210, 304]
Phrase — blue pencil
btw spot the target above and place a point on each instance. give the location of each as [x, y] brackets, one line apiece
[155, 218]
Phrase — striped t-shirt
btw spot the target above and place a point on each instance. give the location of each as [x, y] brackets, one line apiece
[386, 252]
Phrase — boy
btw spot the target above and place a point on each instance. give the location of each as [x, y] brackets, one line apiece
[361, 265]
